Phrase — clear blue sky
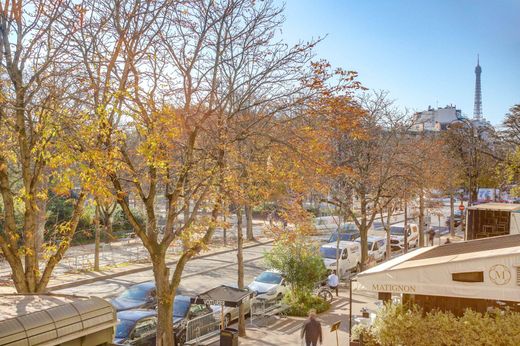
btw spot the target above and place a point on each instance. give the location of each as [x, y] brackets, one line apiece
[422, 52]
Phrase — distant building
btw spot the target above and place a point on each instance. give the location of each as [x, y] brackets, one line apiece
[435, 119]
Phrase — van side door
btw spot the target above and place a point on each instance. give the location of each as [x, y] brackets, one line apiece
[344, 262]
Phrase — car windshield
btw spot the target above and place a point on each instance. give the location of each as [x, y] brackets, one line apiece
[397, 230]
[328, 252]
[135, 293]
[180, 307]
[269, 278]
[342, 236]
[123, 328]
[349, 227]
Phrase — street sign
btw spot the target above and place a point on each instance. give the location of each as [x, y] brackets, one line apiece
[461, 207]
[335, 326]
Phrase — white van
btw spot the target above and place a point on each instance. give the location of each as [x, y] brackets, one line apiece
[349, 256]
[376, 247]
[397, 236]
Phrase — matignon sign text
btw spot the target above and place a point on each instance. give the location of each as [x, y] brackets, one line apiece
[393, 288]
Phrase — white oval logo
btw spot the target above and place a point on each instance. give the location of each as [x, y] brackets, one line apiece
[500, 274]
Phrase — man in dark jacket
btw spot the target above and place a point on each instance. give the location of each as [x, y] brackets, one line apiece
[431, 234]
[312, 330]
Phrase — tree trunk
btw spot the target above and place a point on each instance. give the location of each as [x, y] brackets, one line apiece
[363, 232]
[405, 226]
[421, 219]
[186, 213]
[389, 213]
[224, 230]
[107, 222]
[240, 262]
[249, 222]
[338, 272]
[97, 236]
[451, 225]
[164, 302]
[386, 227]
[40, 223]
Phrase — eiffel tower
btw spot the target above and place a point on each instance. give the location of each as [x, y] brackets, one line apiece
[477, 109]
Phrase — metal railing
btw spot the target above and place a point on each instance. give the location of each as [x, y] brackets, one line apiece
[264, 308]
[203, 327]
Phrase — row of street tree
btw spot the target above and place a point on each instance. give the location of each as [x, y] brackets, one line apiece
[116, 102]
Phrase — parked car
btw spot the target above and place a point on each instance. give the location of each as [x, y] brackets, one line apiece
[397, 236]
[184, 311]
[140, 296]
[136, 327]
[349, 253]
[347, 232]
[231, 314]
[269, 285]
[376, 247]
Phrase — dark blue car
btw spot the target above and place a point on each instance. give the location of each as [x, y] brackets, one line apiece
[136, 327]
[140, 296]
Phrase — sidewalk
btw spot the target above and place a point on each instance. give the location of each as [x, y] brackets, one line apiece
[286, 330]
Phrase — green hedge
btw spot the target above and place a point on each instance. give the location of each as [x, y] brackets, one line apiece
[300, 306]
[401, 325]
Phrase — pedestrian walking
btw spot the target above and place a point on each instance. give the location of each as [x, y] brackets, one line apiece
[312, 330]
[431, 234]
[333, 282]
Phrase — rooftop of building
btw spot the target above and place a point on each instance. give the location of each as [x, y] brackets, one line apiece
[496, 206]
[15, 305]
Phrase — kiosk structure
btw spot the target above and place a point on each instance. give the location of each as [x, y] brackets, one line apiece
[479, 274]
[49, 319]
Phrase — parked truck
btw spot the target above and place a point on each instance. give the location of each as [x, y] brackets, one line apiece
[492, 220]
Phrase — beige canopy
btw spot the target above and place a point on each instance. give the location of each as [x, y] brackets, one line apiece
[481, 269]
[44, 320]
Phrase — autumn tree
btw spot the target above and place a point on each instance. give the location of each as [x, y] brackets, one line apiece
[366, 162]
[472, 146]
[510, 137]
[168, 82]
[422, 159]
[511, 124]
[38, 150]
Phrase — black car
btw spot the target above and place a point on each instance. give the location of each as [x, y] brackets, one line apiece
[347, 232]
[183, 312]
[140, 296]
[136, 327]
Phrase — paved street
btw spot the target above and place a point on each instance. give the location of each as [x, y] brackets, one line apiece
[199, 275]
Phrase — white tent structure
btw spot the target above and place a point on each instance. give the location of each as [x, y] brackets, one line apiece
[478, 274]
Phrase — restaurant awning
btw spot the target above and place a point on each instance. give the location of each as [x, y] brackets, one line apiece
[480, 269]
[223, 295]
